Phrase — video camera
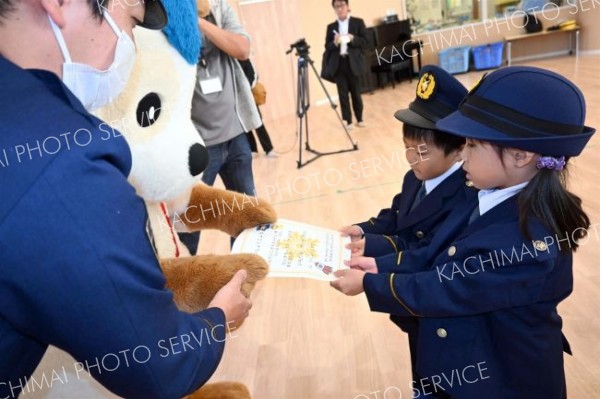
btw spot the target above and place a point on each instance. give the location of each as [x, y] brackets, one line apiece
[301, 48]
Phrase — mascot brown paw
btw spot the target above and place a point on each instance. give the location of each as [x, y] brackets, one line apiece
[195, 280]
[221, 390]
[227, 211]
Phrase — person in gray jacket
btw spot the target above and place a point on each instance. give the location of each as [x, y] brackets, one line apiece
[223, 107]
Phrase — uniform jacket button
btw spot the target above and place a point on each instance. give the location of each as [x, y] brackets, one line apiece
[420, 234]
[452, 251]
[540, 245]
[442, 333]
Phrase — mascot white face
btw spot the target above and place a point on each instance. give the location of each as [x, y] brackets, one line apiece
[154, 115]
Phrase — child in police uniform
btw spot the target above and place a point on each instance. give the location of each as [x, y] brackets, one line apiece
[434, 185]
[485, 291]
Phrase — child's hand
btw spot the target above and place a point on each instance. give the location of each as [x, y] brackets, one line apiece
[354, 232]
[357, 248]
[362, 263]
[349, 282]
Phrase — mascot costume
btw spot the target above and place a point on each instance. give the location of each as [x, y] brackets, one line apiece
[154, 115]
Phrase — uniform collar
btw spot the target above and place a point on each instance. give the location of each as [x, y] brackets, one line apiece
[431, 184]
[49, 79]
[488, 199]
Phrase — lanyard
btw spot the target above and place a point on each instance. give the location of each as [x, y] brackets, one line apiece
[202, 61]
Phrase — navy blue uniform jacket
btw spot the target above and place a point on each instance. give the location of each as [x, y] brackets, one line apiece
[486, 302]
[397, 228]
[77, 268]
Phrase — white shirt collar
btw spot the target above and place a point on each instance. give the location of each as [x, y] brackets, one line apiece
[431, 184]
[344, 27]
[344, 22]
[488, 199]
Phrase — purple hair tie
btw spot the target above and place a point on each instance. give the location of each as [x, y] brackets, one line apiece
[551, 163]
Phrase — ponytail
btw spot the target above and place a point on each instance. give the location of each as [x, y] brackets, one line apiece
[547, 198]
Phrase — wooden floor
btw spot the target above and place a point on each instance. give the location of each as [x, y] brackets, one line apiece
[305, 340]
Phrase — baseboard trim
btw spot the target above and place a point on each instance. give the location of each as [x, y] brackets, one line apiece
[540, 56]
[589, 52]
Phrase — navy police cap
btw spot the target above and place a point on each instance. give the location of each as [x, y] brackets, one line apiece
[438, 95]
[524, 107]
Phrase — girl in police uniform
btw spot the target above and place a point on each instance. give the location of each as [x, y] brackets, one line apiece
[485, 291]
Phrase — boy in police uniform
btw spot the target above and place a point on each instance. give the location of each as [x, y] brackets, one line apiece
[434, 186]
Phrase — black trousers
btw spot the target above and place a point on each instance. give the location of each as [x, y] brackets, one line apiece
[263, 137]
[347, 83]
[411, 327]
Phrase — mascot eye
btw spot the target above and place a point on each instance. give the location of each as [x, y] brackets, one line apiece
[148, 110]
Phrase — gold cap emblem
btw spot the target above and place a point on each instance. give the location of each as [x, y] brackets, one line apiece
[426, 86]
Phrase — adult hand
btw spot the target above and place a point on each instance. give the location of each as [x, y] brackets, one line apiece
[354, 232]
[357, 248]
[349, 282]
[235, 45]
[337, 39]
[362, 263]
[350, 37]
[230, 298]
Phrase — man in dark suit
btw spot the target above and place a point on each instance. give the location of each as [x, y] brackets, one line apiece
[346, 39]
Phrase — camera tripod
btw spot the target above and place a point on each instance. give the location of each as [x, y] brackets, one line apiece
[303, 105]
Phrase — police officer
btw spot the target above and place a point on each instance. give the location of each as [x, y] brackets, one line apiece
[77, 268]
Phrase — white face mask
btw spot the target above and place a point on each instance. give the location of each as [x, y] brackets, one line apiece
[92, 87]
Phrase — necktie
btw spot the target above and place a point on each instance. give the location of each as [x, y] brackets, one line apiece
[474, 215]
[420, 195]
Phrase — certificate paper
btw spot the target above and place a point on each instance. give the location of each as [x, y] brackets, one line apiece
[294, 249]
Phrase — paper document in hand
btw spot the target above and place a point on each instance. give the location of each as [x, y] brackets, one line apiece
[295, 249]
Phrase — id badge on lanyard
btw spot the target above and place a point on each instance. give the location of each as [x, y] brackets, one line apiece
[209, 84]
